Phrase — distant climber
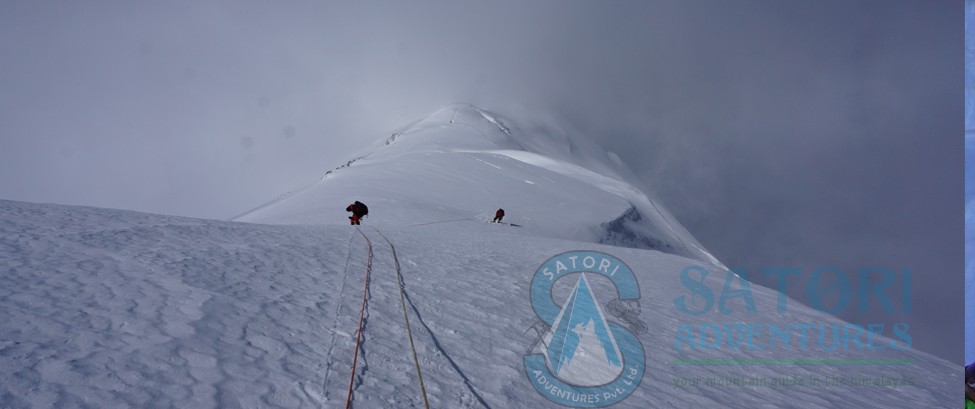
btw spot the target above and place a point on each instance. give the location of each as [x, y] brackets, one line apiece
[358, 210]
[498, 215]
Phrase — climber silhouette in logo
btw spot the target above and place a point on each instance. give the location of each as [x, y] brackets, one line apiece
[580, 356]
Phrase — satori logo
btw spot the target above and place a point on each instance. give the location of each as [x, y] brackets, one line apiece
[579, 358]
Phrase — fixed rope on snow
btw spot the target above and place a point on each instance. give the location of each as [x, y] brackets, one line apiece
[362, 313]
[338, 309]
[409, 332]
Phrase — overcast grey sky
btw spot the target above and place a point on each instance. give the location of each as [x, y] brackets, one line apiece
[801, 133]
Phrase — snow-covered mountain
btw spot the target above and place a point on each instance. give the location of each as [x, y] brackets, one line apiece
[110, 308]
[463, 162]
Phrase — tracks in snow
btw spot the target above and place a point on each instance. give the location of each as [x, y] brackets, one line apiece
[391, 372]
[406, 318]
[337, 314]
[362, 322]
[384, 350]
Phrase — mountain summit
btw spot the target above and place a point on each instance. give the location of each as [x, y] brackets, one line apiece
[464, 162]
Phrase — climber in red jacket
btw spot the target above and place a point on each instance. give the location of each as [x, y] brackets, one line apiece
[358, 210]
[498, 216]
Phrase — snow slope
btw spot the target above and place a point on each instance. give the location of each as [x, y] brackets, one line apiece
[106, 308]
[464, 162]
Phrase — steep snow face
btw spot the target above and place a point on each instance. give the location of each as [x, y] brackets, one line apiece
[463, 162]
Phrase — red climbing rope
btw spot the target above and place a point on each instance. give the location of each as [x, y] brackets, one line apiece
[362, 314]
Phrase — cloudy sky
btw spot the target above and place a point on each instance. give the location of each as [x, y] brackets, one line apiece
[782, 134]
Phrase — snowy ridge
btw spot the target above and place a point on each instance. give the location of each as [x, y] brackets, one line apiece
[109, 308]
[465, 162]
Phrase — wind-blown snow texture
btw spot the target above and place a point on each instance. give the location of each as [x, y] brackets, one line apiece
[109, 308]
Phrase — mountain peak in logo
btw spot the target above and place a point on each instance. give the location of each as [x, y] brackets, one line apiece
[581, 349]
